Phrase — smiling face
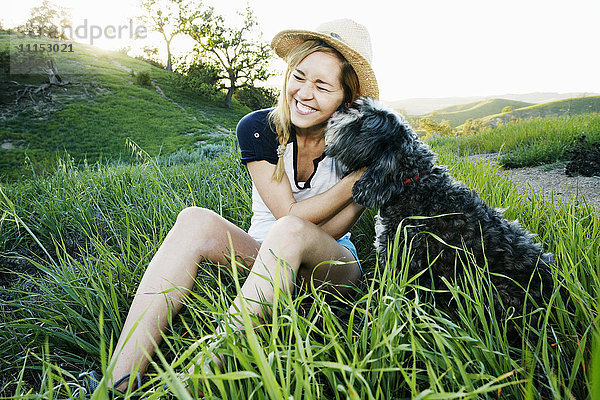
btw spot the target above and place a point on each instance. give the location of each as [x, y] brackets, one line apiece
[314, 91]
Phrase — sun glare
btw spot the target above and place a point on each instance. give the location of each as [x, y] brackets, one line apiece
[421, 49]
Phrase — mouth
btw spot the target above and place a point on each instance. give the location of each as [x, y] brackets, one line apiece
[303, 109]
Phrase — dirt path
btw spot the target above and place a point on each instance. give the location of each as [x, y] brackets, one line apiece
[551, 181]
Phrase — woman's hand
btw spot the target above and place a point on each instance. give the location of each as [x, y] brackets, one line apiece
[356, 175]
[279, 198]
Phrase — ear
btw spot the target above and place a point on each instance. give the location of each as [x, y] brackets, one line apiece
[378, 184]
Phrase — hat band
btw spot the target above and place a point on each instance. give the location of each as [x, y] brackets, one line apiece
[336, 36]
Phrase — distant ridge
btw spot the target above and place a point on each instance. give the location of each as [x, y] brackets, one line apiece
[571, 106]
[457, 115]
[420, 106]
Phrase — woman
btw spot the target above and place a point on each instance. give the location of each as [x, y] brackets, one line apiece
[301, 211]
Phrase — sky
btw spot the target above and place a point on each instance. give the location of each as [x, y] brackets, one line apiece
[421, 48]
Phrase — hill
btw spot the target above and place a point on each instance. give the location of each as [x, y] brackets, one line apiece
[458, 114]
[574, 106]
[421, 106]
[103, 105]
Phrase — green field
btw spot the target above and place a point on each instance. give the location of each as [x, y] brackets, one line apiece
[94, 118]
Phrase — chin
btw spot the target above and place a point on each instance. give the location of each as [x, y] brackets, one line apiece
[304, 121]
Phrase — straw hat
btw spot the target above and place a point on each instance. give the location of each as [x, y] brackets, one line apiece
[351, 39]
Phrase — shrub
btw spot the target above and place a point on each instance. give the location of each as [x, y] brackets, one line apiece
[143, 79]
[431, 127]
[472, 126]
[200, 78]
[257, 98]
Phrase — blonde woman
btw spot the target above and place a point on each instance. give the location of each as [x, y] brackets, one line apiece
[302, 211]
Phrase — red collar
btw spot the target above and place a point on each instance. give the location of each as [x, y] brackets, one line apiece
[422, 174]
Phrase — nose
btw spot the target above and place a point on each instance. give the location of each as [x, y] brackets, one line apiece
[306, 90]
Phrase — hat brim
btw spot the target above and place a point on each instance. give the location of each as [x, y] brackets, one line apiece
[285, 41]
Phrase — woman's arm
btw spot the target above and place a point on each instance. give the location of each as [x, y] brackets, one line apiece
[341, 222]
[278, 197]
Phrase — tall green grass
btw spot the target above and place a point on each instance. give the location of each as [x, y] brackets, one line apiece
[78, 243]
[526, 143]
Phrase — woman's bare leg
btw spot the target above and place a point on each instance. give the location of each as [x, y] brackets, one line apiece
[197, 235]
[303, 246]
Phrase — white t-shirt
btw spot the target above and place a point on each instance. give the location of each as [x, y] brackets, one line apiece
[258, 141]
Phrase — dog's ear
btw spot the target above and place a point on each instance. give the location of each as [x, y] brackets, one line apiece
[378, 184]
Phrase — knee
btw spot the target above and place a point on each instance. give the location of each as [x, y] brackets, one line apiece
[197, 219]
[290, 229]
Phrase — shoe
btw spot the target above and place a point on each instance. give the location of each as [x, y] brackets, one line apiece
[91, 380]
[138, 378]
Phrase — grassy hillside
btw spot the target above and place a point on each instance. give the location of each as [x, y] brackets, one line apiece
[457, 115]
[93, 118]
[421, 106]
[574, 106]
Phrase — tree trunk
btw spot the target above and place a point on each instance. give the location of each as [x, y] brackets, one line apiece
[169, 65]
[230, 91]
[53, 72]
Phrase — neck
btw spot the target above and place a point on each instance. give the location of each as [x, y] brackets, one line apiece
[313, 133]
[311, 142]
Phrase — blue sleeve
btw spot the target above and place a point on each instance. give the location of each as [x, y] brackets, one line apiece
[256, 138]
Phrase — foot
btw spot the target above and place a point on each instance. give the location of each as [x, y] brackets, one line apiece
[91, 380]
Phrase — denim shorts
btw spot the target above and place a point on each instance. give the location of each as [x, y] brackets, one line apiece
[345, 241]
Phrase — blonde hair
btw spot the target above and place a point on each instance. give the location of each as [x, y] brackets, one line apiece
[280, 116]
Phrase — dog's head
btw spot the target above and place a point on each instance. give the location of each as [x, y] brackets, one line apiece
[368, 134]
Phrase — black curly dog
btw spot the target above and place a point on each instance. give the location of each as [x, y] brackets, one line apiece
[403, 180]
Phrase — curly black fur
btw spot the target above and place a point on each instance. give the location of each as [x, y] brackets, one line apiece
[458, 223]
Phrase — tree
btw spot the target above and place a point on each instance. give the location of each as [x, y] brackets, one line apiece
[257, 98]
[199, 77]
[169, 18]
[445, 128]
[47, 20]
[431, 127]
[241, 58]
[428, 125]
[472, 126]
